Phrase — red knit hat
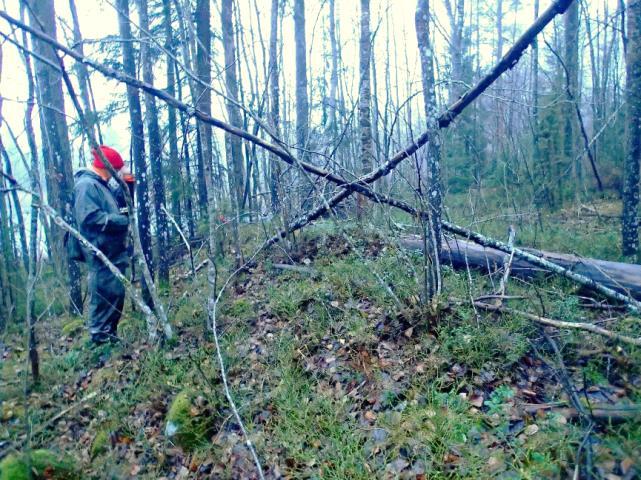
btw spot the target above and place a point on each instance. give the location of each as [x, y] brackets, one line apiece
[110, 154]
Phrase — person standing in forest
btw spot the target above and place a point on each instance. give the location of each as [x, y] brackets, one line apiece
[101, 219]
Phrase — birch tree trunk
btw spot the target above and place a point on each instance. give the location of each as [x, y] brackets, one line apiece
[630, 221]
[364, 96]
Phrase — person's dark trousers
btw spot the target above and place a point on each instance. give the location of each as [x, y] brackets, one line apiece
[107, 298]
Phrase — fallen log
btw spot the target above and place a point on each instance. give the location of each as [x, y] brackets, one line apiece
[621, 277]
[597, 412]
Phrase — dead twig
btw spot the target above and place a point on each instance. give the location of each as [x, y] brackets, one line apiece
[182, 235]
[588, 327]
[507, 267]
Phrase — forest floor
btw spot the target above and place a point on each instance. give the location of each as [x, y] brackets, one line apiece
[335, 379]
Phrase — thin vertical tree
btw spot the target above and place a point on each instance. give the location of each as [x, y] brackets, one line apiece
[571, 60]
[235, 160]
[155, 149]
[430, 184]
[137, 136]
[630, 220]
[302, 97]
[82, 72]
[364, 97]
[202, 96]
[172, 124]
[55, 140]
[274, 106]
[456, 16]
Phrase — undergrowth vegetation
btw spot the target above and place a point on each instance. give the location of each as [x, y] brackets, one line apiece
[333, 378]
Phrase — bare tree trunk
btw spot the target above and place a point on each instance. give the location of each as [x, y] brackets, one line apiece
[274, 113]
[82, 72]
[541, 180]
[36, 186]
[203, 97]
[137, 139]
[20, 225]
[630, 221]
[364, 97]
[431, 168]
[333, 79]
[234, 144]
[597, 118]
[176, 180]
[302, 98]
[571, 60]
[187, 191]
[499, 29]
[235, 162]
[56, 139]
[7, 261]
[456, 15]
[155, 150]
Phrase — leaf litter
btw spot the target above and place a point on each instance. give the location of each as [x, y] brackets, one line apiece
[343, 385]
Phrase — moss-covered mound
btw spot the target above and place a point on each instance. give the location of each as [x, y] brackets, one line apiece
[192, 419]
[44, 465]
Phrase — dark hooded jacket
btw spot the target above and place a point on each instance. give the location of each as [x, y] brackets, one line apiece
[98, 216]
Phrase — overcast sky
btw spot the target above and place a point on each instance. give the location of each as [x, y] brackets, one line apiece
[98, 19]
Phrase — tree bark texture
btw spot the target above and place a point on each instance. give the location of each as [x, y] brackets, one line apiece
[274, 106]
[203, 97]
[175, 173]
[235, 160]
[630, 220]
[137, 135]
[155, 149]
[302, 98]
[364, 97]
[571, 60]
[56, 147]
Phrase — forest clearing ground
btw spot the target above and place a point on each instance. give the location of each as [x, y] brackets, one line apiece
[332, 380]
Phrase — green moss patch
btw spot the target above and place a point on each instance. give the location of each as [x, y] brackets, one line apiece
[44, 464]
[192, 419]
